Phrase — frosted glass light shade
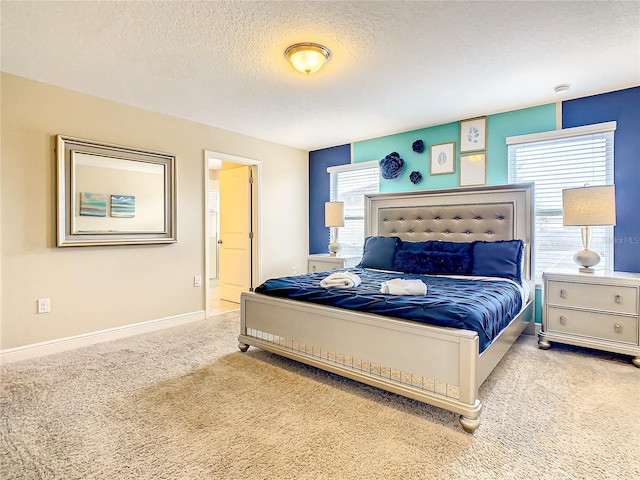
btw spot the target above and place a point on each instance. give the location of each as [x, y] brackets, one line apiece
[307, 57]
[334, 214]
[589, 206]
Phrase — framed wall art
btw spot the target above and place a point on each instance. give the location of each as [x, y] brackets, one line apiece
[443, 158]
[114, 195]
[93, 204]
[473, 134]
[473, 169]
[123, 206]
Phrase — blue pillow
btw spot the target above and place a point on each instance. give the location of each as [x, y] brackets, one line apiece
[498, 259]
[406, 250]
[460, 248]
[379, 252]
[464, 249]
[433, 263]
[426, 246]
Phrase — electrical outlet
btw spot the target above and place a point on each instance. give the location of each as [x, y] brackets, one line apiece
[197, 281]
[294, 270]
[44, 305]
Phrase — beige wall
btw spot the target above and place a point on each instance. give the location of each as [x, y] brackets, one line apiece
[97, 288]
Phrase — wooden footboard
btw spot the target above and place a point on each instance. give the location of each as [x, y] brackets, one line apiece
[435, 365]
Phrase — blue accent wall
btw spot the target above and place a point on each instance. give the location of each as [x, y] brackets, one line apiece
[319, 160]
[622, 106]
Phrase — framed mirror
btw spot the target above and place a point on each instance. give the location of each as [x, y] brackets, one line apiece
[114, 195]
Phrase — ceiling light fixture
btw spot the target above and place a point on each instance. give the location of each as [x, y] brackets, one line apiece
[563, 87]
[307, 57]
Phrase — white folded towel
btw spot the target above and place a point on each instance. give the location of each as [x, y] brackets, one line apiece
[341, 280]
[399, 286]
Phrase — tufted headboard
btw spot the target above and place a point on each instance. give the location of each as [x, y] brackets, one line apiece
[489, 213]
[454, 223]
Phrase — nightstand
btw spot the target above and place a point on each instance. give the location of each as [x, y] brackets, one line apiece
[592, 310]
[323, 261]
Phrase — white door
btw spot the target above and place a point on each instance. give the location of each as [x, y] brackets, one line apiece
[234, 253]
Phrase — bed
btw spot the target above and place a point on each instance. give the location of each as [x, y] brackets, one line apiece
[440, 365]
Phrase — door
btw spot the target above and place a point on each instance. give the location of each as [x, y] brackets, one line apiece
[214, 233]
[234, 253]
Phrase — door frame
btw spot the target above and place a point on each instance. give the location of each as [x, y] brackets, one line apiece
[256, 245]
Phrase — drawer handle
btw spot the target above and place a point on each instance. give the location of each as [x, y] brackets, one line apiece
[618, 327]
[618, 299]
[313, 268]
[563, 320]
[563, 293]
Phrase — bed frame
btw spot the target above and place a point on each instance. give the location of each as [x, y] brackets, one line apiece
[436, 365]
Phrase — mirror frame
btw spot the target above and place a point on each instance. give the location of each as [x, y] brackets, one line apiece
[66, 194]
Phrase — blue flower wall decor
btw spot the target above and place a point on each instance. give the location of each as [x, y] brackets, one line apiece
[415, 177]
[418, 146]
[391, 166]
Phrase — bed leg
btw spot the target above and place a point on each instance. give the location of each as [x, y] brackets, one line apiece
[469, 424]
[243, 347]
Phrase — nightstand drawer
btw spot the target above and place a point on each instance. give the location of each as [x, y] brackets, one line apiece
[610, 298]
[322, 262]
[316, 266]
[592, 324]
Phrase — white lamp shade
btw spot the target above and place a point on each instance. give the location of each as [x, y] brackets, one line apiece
[589, 206]
[334, 214]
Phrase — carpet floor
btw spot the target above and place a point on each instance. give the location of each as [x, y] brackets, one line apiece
[184, 403]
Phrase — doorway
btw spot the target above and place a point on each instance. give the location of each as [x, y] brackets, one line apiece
[232, 244]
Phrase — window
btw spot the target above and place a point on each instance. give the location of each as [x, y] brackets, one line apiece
[349, 184]
[554, 161]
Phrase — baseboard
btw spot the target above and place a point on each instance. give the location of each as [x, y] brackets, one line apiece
[532, 329]
[69, 343]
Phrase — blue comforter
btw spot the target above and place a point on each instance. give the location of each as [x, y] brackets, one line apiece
[483, 306]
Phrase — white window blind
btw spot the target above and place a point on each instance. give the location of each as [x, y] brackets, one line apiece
[349, 184]
[555, 161]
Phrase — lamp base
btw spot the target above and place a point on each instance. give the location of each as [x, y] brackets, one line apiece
[586, 259]
[334, 248]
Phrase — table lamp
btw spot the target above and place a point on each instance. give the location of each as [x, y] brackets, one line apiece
[587, 207]
[333, 218]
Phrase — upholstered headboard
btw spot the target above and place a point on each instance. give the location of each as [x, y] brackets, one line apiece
[489, 213]
[455, 223]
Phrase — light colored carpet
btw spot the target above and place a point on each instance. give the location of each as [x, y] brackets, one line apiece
[183, 403]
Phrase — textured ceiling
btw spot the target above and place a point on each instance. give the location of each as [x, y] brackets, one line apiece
[396, 66]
